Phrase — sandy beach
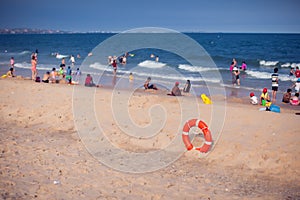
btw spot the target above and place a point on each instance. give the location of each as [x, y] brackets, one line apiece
[43, 156]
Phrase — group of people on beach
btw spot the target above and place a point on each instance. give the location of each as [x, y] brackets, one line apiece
[10, 72]
[114, 60]
[34, 61]
[265, 99]
[287, 96]
[176, 91]
[65, 75]
[62, 76]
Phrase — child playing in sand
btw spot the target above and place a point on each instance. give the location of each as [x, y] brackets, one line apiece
[60, 71]
[264, 97]
[147, 84]
[69, 75]
[10, 72]
[253, 98]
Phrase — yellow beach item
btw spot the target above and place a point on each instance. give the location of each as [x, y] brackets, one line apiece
[205, 99]
[268, 104]
[4, 76]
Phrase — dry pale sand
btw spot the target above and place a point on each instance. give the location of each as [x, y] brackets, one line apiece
[256, 156]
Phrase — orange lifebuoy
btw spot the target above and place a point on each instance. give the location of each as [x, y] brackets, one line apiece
[206, 132]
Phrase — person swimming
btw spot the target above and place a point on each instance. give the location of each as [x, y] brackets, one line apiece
[243, 66]
[292, 71]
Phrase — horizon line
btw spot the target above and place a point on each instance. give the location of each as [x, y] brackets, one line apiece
[56, 31]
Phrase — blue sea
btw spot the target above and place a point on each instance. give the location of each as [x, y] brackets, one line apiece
[261, 52]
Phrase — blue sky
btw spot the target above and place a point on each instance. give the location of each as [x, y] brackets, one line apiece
[181, 15]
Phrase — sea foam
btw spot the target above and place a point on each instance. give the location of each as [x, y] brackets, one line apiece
[294, 65]
[25, 65]
[268, 63]
[266, 75]
[159, 75]
[195, 68]
[151, 64]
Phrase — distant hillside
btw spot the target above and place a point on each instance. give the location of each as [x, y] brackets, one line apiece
[30, 31]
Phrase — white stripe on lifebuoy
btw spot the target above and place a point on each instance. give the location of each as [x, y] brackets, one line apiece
[208, 143]
[197, 122]
[189, 125]
[185, 133]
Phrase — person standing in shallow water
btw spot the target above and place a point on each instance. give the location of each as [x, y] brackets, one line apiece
[235, 76]
[243, 66]
[156, 59]
[72, 60]
[63, 63]
[274, 78]
[12, 62]
[234, 62]
[115, 66]
[231, 66]
[33, 67]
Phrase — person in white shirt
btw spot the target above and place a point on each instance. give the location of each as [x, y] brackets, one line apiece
[253, 98]
[297, 85]
[72, 60]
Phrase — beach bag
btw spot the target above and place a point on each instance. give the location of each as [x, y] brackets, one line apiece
[37, 79]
